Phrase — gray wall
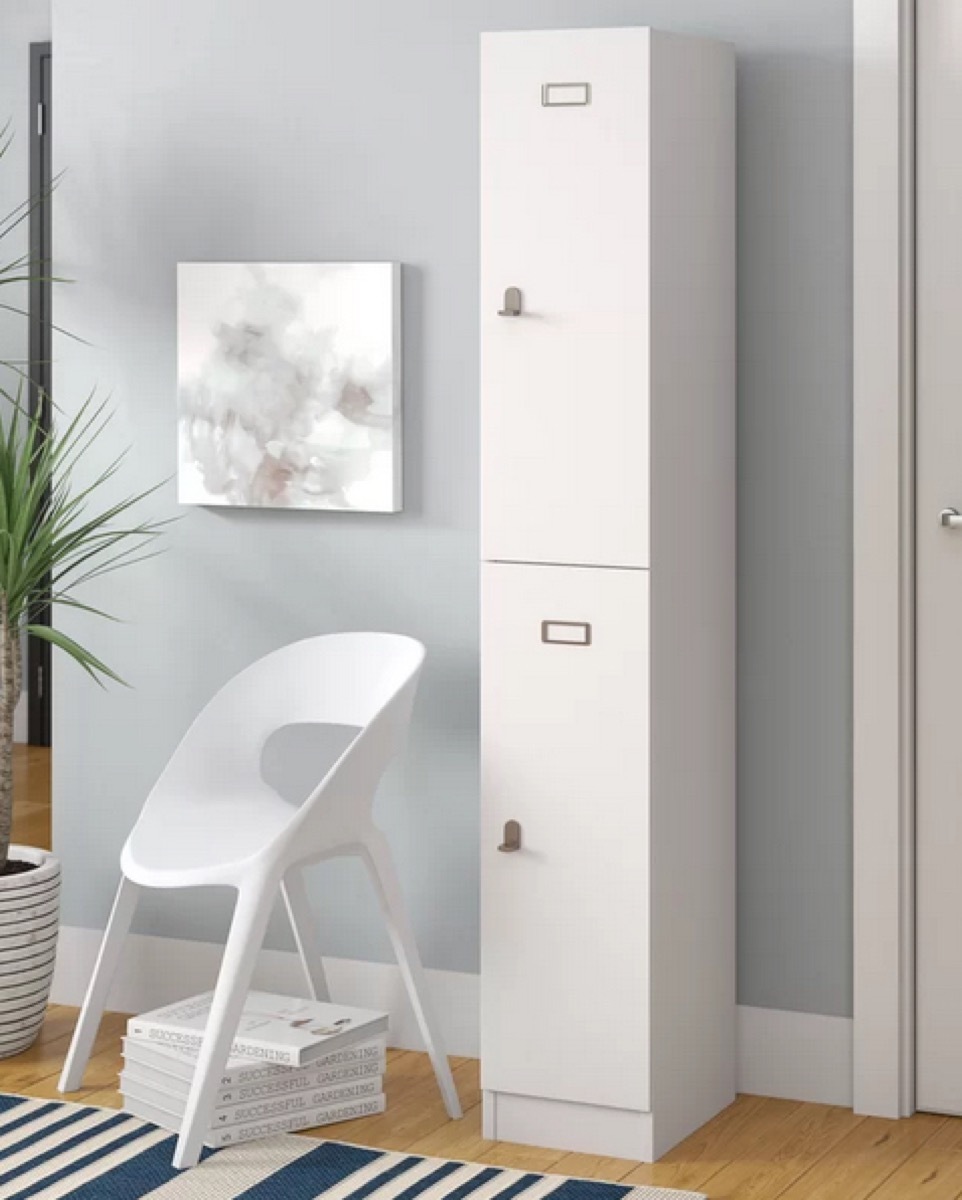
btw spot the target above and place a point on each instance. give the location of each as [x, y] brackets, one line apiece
[314, 129]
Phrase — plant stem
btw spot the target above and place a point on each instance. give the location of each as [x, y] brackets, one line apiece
[10, 680]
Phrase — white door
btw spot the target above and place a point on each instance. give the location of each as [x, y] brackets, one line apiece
[564, 737]
[564, 385]
[939, 561]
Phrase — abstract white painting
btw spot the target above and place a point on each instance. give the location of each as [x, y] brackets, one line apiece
[289, 385]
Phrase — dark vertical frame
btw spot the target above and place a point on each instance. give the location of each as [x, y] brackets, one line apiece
[38, 674]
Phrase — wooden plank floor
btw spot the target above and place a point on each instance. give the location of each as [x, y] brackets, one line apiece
[758, 1149]
[31, 790]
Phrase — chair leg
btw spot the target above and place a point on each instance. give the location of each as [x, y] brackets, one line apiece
[380, 864]
[305, 933]
[247, 930]
[108, 959]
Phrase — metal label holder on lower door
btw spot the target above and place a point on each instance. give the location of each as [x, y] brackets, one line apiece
[566, 633]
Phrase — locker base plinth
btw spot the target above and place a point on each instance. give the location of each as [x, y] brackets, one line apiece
[564, 1125]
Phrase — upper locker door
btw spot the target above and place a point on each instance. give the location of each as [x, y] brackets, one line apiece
[564, 219]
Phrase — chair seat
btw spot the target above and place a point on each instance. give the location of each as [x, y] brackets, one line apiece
[193, 841]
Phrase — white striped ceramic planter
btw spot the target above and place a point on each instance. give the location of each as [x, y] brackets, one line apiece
[29, 920]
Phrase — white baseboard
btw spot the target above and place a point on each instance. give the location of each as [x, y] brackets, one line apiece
[157, 970]
[794, 1056]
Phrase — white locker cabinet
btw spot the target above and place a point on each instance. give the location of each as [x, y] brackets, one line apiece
[608, 587]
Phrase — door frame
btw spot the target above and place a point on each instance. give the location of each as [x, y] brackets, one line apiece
[883, 583]
[38, 667]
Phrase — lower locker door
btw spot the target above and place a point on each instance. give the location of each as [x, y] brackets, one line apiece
[564, 752]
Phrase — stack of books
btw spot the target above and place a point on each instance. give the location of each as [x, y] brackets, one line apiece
[294, 1064]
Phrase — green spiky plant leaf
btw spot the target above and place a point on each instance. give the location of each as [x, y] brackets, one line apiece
[57, 533]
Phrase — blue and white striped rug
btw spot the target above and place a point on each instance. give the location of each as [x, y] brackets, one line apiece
[50, 1150]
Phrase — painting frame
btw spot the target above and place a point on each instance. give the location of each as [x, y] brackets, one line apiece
[290, 385]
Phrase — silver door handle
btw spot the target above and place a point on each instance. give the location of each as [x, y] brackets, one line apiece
[512, 303]
[512, 838]
[951, 518]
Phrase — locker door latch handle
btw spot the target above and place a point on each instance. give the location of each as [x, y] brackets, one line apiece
[512, 838]
[950, 518]
[512, 303]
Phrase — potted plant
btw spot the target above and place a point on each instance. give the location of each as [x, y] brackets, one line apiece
[59, 529]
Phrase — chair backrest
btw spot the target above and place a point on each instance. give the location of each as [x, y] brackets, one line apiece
[364, 680]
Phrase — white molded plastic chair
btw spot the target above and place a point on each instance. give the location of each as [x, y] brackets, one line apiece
[211, 819]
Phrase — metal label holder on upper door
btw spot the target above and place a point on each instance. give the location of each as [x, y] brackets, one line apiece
[565, 95]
